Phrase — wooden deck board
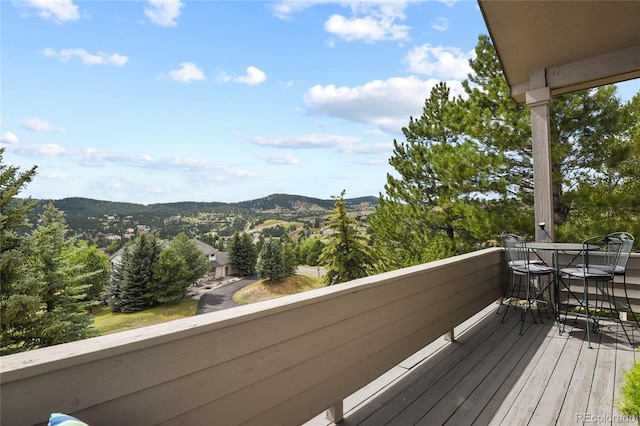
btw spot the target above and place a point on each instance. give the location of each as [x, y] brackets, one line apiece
[491, 375]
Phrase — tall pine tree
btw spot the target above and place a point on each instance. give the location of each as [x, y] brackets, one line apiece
[346, 256]
[138, 273]
[243, 254]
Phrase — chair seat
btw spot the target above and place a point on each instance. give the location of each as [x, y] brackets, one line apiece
[607, 268]
[582, 272]
[534, 269]
[517, 263]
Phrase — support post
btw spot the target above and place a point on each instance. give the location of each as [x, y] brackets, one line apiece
[449, 336]
[335, 413]
[539, 101]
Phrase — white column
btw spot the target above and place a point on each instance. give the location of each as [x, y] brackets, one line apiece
[538, 99]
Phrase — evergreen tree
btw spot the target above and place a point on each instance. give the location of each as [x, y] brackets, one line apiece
[49, 302]
[96, 264]
[179, 265]
[17, 300]
[436, 204]
[346, 255]
[138, 273]
[172, 277]
[289, 259]
[270, 264]
[602, 172]
[116, 280]
[243, 255]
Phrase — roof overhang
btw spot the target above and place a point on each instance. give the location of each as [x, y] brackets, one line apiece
[578, 44]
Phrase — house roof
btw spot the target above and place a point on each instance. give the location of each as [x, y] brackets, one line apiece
[222, 259]
[580, 44]
[204, 247]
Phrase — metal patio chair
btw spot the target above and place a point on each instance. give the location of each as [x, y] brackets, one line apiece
[600, 259]
[527, 272]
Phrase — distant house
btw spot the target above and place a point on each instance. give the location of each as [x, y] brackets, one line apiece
[219, 261]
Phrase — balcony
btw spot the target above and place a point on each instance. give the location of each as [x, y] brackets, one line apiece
[371, 350]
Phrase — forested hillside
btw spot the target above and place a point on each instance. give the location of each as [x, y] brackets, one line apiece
[110, 224]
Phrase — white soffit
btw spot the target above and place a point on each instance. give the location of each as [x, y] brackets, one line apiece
[580, 44]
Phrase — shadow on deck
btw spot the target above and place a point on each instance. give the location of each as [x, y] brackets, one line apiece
[493, 375]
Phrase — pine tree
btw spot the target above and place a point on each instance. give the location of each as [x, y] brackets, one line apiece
[171, 275]
[270, 264]
[179, 265]
[50, 303]
[435, 206]
[116, 280]
[346, 256]
[17, 300]
[138, 273]
[243, 255]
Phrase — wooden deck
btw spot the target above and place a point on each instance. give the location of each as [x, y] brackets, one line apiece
[491, 375]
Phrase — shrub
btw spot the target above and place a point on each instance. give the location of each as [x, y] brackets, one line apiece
[630, 401]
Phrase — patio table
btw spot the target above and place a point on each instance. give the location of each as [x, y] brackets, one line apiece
[556, 248]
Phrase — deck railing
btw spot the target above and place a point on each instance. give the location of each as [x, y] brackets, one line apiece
[281, 361]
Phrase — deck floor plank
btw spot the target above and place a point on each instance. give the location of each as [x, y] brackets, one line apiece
[491, 375]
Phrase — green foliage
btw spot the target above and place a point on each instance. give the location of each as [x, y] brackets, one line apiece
[171, 278]
[465, 172]
[629, 403]
[346, 255]
[48, 301]
[138, 274]
[270, 264]
[243, 255]
[179, 265]
[438, 203]
[96, 264]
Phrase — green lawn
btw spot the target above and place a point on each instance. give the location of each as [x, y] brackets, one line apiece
[107, 322]
[264, 290]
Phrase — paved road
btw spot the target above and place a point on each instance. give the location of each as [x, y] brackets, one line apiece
[221, 297]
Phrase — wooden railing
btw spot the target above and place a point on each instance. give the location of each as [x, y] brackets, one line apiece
[281, 361]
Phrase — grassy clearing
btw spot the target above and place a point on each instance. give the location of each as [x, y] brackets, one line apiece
[107, 322]
[264, 290]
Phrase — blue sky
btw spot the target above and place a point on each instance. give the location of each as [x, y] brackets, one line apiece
[167, 100]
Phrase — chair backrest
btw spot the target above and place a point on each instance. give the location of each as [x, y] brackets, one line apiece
[516, 248]
[602, 250]
[627, 245]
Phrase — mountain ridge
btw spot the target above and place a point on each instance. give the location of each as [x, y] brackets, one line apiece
[273, 202]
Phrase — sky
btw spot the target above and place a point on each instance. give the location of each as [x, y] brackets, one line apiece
[166, 100]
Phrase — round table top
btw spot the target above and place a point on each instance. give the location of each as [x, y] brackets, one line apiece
[560, 246]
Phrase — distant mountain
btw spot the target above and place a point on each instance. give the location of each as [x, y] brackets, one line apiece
[300, 203]
[86, 207]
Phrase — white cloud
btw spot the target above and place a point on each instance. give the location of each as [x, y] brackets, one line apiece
[93, 157]
[387, 104]
[306, 141]
[58, 11]
[440, 61]
[9, 137]
[370, 21]
[188, 71]
[286, 9]
[368, 29]
[37, 125]
[164, 12]
[279, 159]
[100, 58]
[440, 24]
[253, 77]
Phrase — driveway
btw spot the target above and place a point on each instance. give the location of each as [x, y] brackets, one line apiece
[220, 298]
